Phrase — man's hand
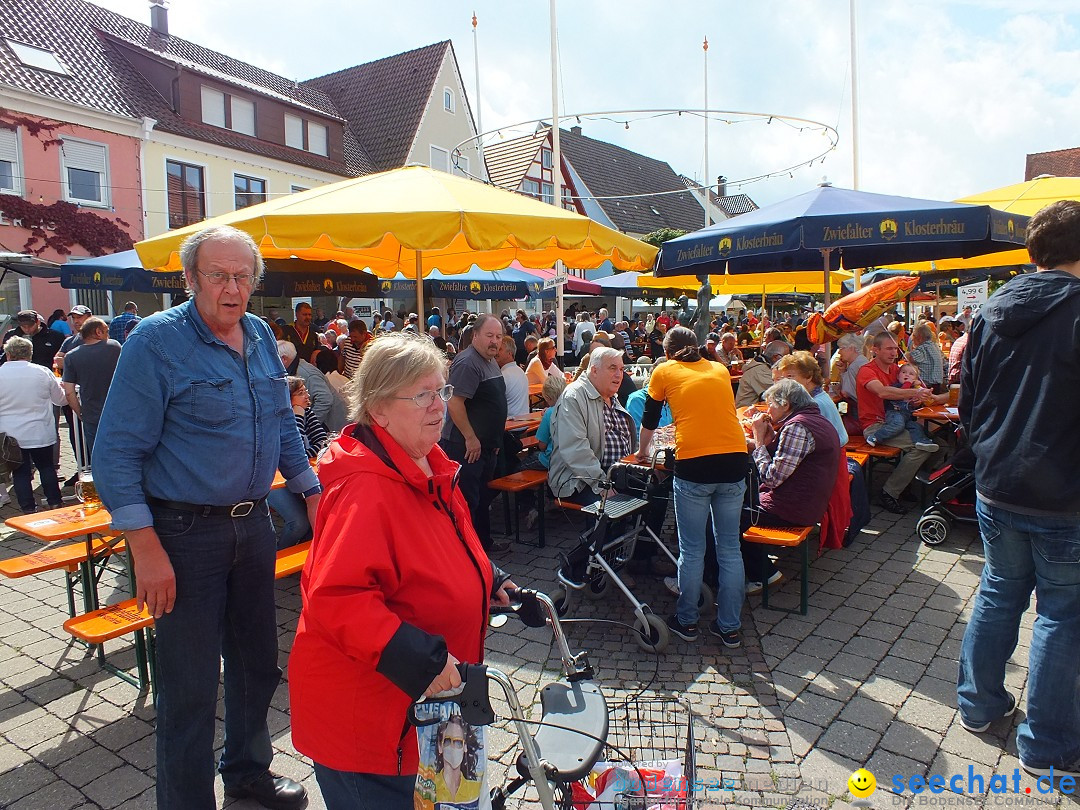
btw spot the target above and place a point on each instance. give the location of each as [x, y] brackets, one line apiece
[155, 582]
[446, 680]
[312, 504]
[472, 448]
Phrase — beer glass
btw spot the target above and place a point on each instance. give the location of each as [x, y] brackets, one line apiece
[86, 491]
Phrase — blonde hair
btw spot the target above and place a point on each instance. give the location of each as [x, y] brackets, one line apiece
[392, 362]
[804, 363]
[553, 388]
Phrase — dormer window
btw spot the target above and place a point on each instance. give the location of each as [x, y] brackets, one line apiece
[306, 135]
[448, 99]
[38, 58]
[227, 111]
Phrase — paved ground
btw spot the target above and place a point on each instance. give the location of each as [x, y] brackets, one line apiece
[866, 679]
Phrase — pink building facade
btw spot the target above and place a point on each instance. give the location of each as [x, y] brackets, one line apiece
[95, 177]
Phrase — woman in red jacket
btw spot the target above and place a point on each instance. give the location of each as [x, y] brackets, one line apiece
[396, 588]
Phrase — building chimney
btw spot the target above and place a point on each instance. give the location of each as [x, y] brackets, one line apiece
[721, 186]
[159, 17]
[575, 130]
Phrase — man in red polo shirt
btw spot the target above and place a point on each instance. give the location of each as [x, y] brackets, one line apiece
[875, 384]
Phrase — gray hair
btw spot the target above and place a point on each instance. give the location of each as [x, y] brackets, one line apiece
[775, 349]
[849, 340]
[598, 356]
[788, 393]
[189, 251]
[286, 351]
[19, 348]
[553, 388]
[393, 361]
[923, 332]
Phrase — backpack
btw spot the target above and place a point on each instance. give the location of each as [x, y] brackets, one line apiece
[10, 453]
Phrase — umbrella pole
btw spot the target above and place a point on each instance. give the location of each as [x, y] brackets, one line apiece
[560, 332]
[828, 299]
[420, 285]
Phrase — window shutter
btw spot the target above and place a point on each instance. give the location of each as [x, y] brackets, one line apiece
[9, 145]
[213, 107]
[88, 156]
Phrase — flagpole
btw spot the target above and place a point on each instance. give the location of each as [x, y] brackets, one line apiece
[481, 169]
[857, 281]
[556, 171]
[708, 181]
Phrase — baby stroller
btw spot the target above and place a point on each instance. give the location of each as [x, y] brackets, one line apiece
[608, 544]
[955, 498]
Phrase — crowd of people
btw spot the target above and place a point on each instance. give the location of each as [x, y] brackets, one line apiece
[408, 422]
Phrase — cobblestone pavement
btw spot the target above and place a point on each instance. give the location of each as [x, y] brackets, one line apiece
[866, 679]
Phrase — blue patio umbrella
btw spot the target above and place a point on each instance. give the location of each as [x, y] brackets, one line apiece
[827, 226]
[123, 271]
[475, 284]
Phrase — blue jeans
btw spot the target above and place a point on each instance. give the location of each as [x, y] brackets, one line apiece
[1025, 553]
[224, 608]
[292, 509]
[694, 504]
[896, 422]
[342, 790]
[42, 458]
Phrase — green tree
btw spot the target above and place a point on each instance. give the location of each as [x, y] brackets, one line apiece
[661, 235]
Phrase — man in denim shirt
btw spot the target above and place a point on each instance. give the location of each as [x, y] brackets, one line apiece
[196, 422]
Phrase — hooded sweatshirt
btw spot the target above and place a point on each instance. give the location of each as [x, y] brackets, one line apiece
[395, 578]
[1018, 400]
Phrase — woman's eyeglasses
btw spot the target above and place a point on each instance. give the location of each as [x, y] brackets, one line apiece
[455, 742]
[425, 398]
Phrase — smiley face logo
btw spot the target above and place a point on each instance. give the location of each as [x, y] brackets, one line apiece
[862, 785]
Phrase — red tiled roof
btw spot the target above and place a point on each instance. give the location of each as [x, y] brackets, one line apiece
[1059, 163]
[384, 100]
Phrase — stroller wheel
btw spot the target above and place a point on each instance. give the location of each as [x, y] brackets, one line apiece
[655, 636]
[597, 586]
[561, 600]
[933, 528]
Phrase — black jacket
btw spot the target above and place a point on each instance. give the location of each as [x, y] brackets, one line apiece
[1018, 402]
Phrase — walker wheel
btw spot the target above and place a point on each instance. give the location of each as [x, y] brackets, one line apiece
[655, 636]
[707, 600]
[561, 600]
[597, 586]
[933, 528]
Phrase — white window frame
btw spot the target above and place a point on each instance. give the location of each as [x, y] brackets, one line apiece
[530, 192]
[300, 124]
[236, 101]
[449, 102]
[443, 156]
[208, 98]
[11, 151]
[461, 169]
[66, 162]
[547, 193]
[546, 159]
[313, 127]
[32, 56]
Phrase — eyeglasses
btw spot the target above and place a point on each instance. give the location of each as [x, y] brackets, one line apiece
[243, 280]
[455, 742]
[425, 398]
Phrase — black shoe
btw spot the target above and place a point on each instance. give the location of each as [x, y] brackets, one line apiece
[687, 632]
[270, 790]
[890, 504]
[732, 638]
[71, 481]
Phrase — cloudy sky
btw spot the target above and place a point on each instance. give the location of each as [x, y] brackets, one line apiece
[952, 93]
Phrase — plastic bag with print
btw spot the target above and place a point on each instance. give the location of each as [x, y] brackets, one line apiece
[453, 760]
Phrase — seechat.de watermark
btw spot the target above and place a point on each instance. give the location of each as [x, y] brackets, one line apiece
[932, 789]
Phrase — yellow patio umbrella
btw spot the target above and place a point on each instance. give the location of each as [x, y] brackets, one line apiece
[1020, 198]
[414, 220]
[810, 282]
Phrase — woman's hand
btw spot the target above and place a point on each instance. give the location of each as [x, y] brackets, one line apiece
[446, 680]
[762, 429]
[501, 597]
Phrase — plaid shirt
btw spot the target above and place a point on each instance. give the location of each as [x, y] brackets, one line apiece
[794, 444]
[616, 435]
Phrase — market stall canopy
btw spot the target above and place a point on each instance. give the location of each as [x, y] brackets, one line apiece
[27, 265]
[797, 281]
[290, 277]
[829, 226]
[415, 220]
[1020, 198]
